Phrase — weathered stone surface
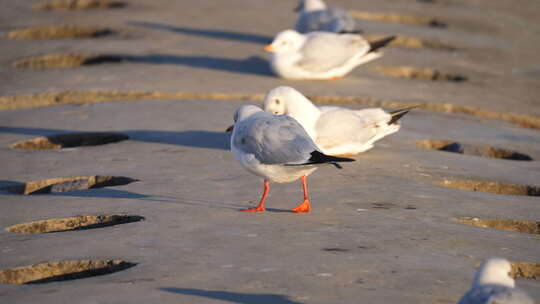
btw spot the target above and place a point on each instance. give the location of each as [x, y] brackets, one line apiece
[380, 231]
[67, 184]
[61, 271]
[58, 32]
[72, 223]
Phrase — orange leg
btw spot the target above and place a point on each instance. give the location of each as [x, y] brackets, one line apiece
[334, 78]
[304, 206]
[260, 207]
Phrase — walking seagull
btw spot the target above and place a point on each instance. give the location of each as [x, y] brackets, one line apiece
[276, 148]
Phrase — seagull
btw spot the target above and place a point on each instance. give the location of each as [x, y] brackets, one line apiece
[276, 148]
[493, 284]
[320, 55]
[335, 130]
[315, 16]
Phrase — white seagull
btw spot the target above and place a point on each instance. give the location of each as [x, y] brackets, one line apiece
[335, 130]
[276, 148]
[493, 284]
[315, 16]
[320, 55]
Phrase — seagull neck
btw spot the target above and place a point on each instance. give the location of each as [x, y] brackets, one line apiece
[314, 5]
[305, 112]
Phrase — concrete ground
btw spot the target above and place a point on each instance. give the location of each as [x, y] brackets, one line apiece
[380, 231]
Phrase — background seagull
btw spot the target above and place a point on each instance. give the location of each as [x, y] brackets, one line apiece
[320, 55]
[276, 148]
[315, 16]
[335, 130]
[493, 284]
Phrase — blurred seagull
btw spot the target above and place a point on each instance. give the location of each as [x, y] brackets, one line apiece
[315, 16]
[493, 284]
[276, 148]
[320, 55]
[335, 130]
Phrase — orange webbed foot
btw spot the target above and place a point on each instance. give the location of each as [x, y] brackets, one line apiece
[303, 207]
[258, 209]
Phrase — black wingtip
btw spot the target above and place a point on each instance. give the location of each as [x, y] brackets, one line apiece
[381, 43]
[351, 32]
[397, 114]
[321, 158]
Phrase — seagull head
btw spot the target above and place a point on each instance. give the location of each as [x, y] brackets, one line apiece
[242, 113]
[495, 271]
[309, 5]
[277, 99]
[286, 41]
[288, 101]
[245, 111]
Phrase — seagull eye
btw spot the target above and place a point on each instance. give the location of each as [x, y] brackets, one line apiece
[277, 101]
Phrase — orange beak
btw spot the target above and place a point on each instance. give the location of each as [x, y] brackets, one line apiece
[269, 48]
[230, 129]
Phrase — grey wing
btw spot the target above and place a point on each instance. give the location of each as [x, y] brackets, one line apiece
[329, 20]
[276, 140]
[324, 51]
[493, 294]
[308, 22]
[340, 21]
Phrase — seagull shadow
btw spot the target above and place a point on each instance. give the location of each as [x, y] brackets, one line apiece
[273, 210]
[213, 203]
[8, 183]
[190, 138]
[112, 193]
[89, 193]
[234, 297]
[254, 65]
[216, 34]
[98, 193]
